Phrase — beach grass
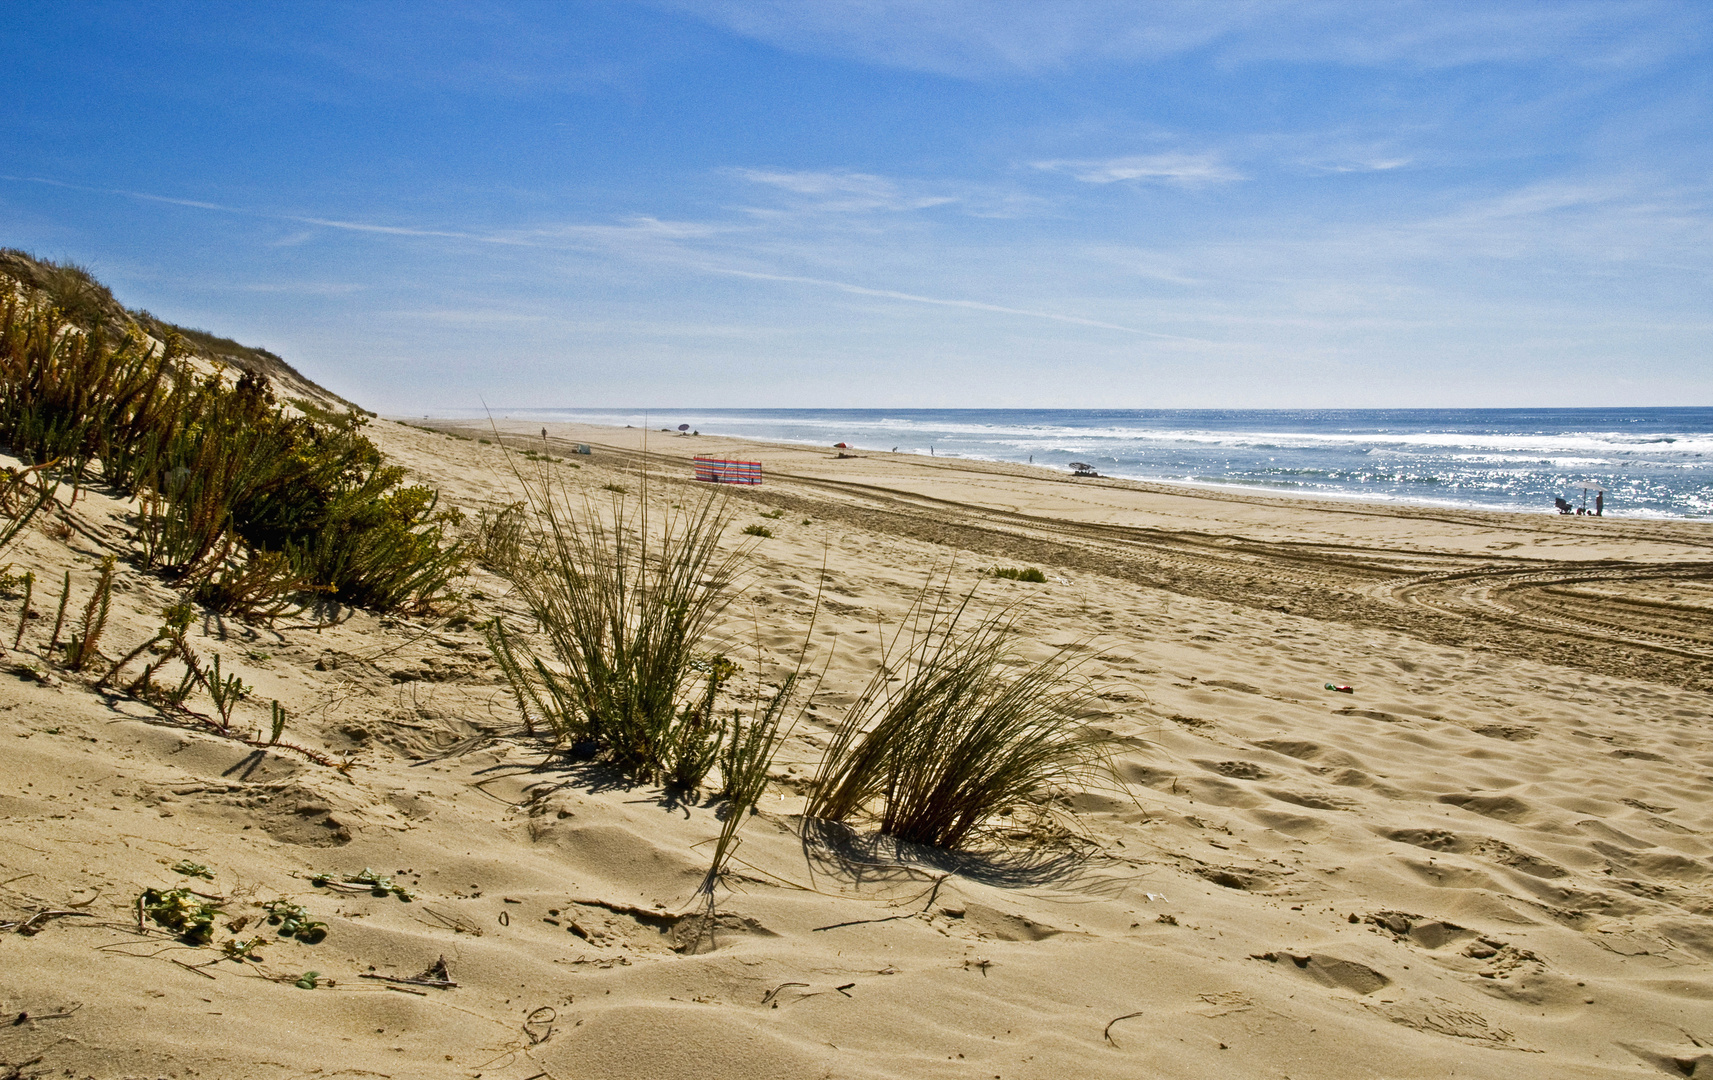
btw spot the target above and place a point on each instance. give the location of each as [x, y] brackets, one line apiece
[935, 756]
[626, 601]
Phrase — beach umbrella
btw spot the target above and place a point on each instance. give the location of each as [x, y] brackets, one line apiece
[683, 427]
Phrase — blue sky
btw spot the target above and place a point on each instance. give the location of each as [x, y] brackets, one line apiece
[868, 203]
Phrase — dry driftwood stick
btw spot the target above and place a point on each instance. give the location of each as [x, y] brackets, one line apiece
[28, 926]
[1107, 1034]
[189, 967]
[535, 1019]
[26, 1017]
[861, 922]
[438, 984]
[770, 994]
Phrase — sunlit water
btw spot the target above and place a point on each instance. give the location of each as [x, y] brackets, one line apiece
[1652, 462]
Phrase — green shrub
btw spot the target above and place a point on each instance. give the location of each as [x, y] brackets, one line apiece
[183, 912]
[262, 586]
[758, 530]
[294, 921]
[1017, 574]
[70, 397]
[382, 546]
[241, 501]
[376, 884]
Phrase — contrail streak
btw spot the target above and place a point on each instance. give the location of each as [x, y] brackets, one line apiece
[697, 266]
[915, 298]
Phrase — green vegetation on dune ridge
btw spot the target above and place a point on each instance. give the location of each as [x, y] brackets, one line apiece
[87, 303]
[243, 502]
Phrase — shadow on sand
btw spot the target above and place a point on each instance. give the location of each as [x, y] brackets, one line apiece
[841, 853]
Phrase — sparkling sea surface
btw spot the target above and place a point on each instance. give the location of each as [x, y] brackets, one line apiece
[1653, 462]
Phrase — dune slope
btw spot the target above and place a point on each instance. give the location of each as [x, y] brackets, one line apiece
[1491, 859]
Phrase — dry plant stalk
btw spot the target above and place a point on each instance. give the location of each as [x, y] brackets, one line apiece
[59, 616]
[24, 612]
[23, 493]
[746, 757]
[85, 644]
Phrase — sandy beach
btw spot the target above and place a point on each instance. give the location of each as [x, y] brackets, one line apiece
[1490, 859]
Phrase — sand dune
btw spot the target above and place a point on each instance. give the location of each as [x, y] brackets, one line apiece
[1492, 859]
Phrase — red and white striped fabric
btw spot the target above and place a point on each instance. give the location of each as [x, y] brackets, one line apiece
[721, 471]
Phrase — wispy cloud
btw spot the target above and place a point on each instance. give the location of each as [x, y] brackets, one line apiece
[844, 192]
[468, 317]
[295, 239]
[143, 195]
[650, 239]
[1357, 165]
[984, 39]
[1184, 170]
[303, 288]
[636, 227]
[939, 301]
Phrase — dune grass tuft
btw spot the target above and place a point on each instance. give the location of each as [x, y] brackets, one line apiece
[745, 758]
[937, 755]
[626, 601]
[499, 536]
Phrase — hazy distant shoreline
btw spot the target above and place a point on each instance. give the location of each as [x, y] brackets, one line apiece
[1655, 463]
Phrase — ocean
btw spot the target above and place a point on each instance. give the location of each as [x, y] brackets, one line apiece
[1652, 462]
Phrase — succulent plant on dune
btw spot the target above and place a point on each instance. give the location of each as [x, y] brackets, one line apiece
[242, 500]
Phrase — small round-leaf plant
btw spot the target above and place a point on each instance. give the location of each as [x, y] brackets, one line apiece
[377, 884]
[294, 922]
